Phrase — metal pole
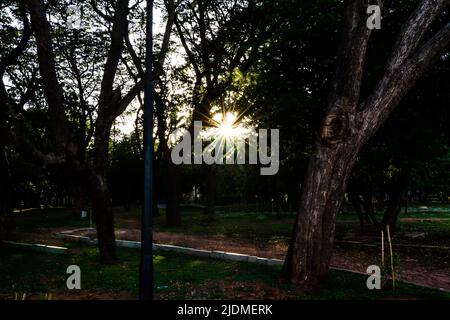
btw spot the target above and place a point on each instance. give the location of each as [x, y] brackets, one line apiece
[146, 268]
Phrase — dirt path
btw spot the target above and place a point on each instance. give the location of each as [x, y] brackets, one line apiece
[404, 220]
[423, 266]
[424, 219]
[417, 265]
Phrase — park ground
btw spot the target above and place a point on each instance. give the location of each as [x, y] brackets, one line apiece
[421, 249]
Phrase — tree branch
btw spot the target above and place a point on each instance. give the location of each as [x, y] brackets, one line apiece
[134, 57]
[99, 12]
[171, 7]
[128, 98]
[187, 50]
[12, 56]
[47, 67]
[351, 54]
[391, 89]
[414, 30]
[114, 55]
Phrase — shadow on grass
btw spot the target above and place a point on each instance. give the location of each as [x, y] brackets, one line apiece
[179, 277]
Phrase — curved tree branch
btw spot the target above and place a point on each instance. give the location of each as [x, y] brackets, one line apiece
[12, 56]
[47, 67]
[391, 89]
[351, 54]
[414, 30]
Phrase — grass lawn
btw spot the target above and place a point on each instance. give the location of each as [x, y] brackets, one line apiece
[176, 277]
[253, 226]
[33, 219]
[268, 227]
[260, 226]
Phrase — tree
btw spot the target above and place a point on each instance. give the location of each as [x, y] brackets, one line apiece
[6, 193]
[289, 93]
[125, 173]
[218, 38]
[349, 122]
[81, 96]
[110, 105]
[8, 58]
[167, 104]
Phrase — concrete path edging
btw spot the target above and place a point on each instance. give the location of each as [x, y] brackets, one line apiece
[36, 247]
[222, 255]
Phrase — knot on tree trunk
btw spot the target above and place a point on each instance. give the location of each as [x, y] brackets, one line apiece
[336, 125]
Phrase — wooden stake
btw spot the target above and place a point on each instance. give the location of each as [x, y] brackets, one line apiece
[382, 248]
[392, 257]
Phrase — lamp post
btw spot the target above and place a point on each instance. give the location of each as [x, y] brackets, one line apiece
[146, 267]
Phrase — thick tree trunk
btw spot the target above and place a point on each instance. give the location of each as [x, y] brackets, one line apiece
[311, 245]
[100, 197]
[110, 105]
[102, 208]
[349, 123]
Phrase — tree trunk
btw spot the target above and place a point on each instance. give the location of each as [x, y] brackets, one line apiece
[100, 197]
[156, 168]
[311, 245]
[357, 206]
[394, 206]
[170, 172]
[278, 204]
[6, 221]
[369, 209]
[278, 197]
[79, 196]
[102, 208]
[210, 171]
[349, 123]
[173, 214]
[155, 212]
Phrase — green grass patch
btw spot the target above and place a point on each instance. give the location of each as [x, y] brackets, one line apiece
[176, 276]
[252, 226]
[49, 218]
[247, 225]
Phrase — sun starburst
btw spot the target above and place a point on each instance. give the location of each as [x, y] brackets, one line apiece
[226, 126]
